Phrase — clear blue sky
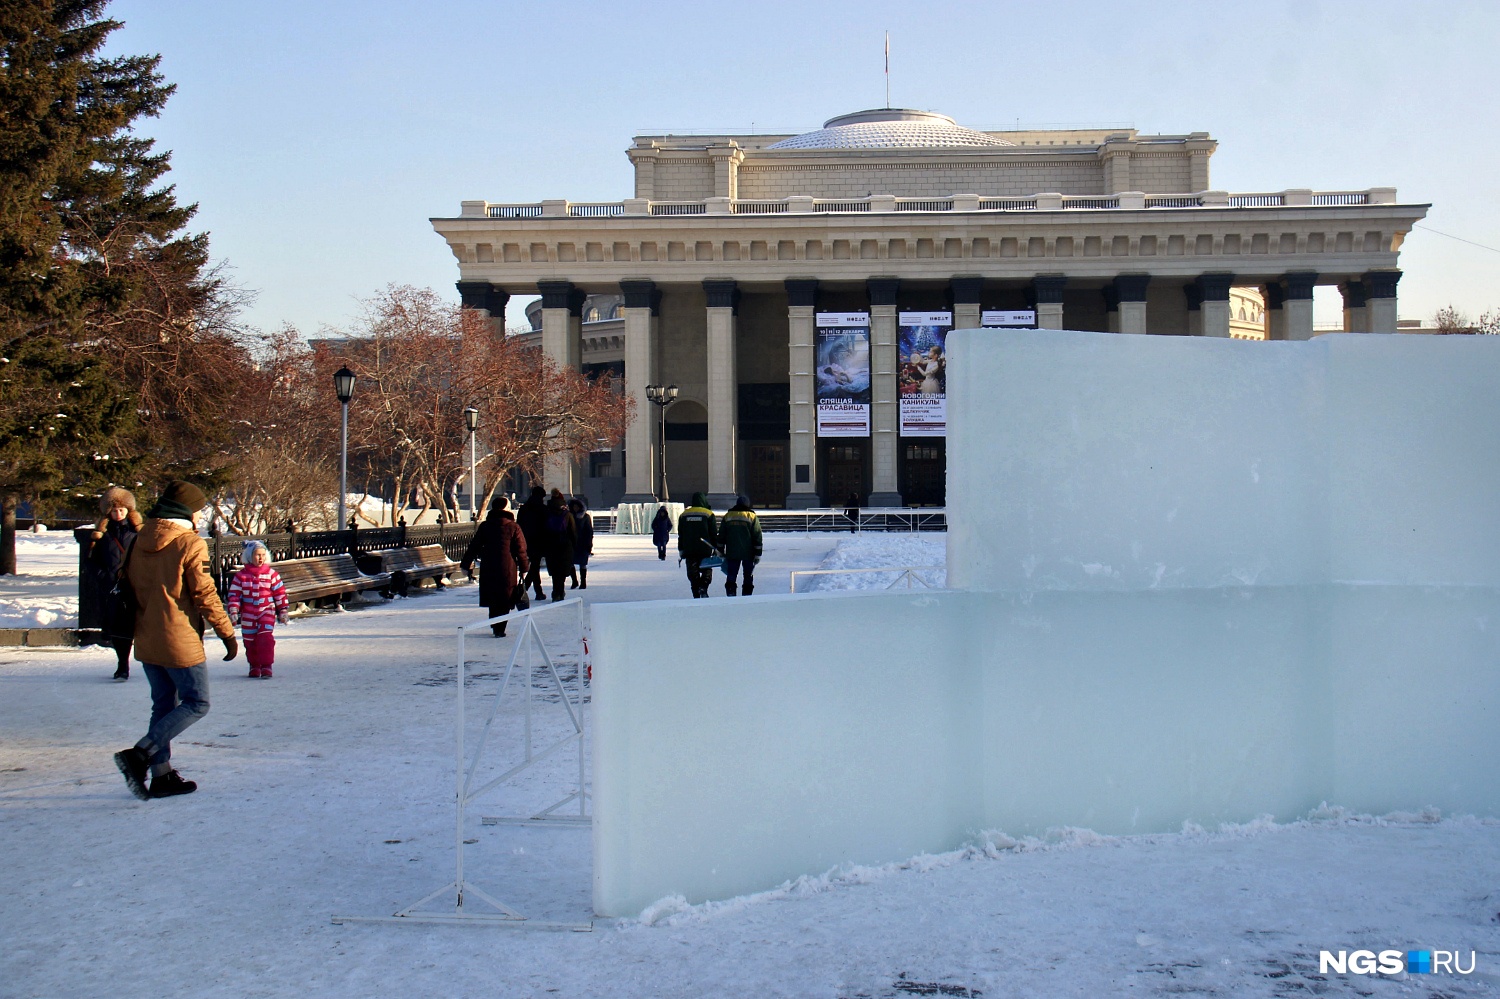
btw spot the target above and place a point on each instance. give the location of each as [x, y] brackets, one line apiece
[319, 137]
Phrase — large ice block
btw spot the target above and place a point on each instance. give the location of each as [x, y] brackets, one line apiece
[1195, 580]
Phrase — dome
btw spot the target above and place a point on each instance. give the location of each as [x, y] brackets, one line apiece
[891, 128]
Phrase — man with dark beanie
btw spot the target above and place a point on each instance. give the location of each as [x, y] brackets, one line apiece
[175, 596]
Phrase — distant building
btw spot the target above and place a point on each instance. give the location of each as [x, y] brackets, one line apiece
[739, 256]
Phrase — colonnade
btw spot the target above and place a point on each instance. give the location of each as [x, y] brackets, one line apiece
[1369, 306]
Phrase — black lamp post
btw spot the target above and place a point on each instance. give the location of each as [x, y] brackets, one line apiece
[663, 396]
[471, 420]
[343, 387]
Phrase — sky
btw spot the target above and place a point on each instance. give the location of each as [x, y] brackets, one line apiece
[319, 139]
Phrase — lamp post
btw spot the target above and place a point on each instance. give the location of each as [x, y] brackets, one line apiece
[471, 420]
[663, 396]
[343, 387]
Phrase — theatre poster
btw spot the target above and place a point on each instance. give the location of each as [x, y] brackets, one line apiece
[843, 374]
[1014, 319]
[922, 372]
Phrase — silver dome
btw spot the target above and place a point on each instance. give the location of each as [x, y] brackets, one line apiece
[891, 128]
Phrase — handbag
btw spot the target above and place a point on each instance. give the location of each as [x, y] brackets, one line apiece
[519, 599]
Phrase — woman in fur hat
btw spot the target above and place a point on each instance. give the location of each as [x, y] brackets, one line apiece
[113, 537]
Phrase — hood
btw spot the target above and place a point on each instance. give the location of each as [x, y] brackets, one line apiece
[158, 533]
[700, 500]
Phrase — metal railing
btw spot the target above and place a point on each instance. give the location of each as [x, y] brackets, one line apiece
[1342, 198]
[925, 206]
[679, 208]
[841, 206]
[904, 574]
[1174, 201]
[515, 211]
[1256, 200]
[1091, 202]
[596, 211]
[1007, 204]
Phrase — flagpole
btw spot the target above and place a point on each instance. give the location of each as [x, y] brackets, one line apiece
[887, 69]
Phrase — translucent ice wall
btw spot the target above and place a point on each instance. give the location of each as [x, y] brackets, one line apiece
[1194, 580]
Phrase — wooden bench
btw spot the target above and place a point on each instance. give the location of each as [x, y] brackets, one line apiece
[406, 566]
[311, 579]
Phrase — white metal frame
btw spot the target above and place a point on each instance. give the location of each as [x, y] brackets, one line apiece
[465, 767]
[908, 573]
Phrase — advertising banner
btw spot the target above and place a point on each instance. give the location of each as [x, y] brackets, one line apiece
[843, 374]
[922, 378]
[1020, 318]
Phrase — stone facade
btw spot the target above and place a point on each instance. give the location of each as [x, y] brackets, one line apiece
[732, 244]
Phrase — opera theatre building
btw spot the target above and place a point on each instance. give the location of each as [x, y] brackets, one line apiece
[798, 289]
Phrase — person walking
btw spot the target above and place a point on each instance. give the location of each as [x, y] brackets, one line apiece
[559, 539]
[661, 532]
[175, 595]
[113, 537]
[742, 545]
[532, 520]
[257, 603]
[851, 512]
[584, 547]
[697, 539]
[502, 553]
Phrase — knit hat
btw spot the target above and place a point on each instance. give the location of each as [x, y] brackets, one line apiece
[180, 500]
[115, 496]
[250, 548]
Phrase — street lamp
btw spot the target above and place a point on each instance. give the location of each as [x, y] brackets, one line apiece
[663, 396]
[343, 387]
[471, 420]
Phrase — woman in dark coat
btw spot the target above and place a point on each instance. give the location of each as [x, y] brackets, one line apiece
[113, 537]
[661, 532]
[560, 537]
[501, 550]
[585, 544]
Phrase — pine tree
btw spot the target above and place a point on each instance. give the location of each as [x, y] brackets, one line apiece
[93, 261]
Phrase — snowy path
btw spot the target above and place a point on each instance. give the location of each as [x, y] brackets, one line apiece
[328, 791]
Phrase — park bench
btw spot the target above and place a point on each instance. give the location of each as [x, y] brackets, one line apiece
[405, 566]
[308, 580]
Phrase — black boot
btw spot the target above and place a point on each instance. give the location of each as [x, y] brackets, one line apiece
[133, 763]
[171, 783]
[661, 553]
[583, 578]
[122, 672]
[749, 589]
[729, 588]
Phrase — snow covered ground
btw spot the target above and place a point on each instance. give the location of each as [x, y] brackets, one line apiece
[44, 591]
[327, 791]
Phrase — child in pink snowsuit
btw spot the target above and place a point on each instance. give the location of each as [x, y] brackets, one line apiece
[257, 601]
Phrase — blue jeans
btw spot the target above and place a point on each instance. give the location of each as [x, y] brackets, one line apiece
[179, 697]
[732, 568]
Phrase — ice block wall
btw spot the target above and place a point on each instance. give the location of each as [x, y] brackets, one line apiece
[1194, 580]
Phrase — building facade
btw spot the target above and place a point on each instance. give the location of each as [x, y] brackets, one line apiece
[740, 255]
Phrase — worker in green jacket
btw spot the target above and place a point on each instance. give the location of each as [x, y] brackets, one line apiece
[740, 533]
[697, 539]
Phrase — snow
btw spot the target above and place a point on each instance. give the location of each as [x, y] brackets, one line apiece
[44, 591]
[328, 791]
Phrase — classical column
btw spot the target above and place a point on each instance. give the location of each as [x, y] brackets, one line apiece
[562, 326]
[642, 307]
[1298, 305]
[1356, 314]
[483, 295]
[1214, 289]
[885, 413]
[1275, 293]
[723, 391]
[802, 299]
[1047, 299]
[1194, 296]
[1380, 300]
[967, 294]
[1131, 291]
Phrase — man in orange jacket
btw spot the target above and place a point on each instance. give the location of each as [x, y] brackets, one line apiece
[175, 596]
